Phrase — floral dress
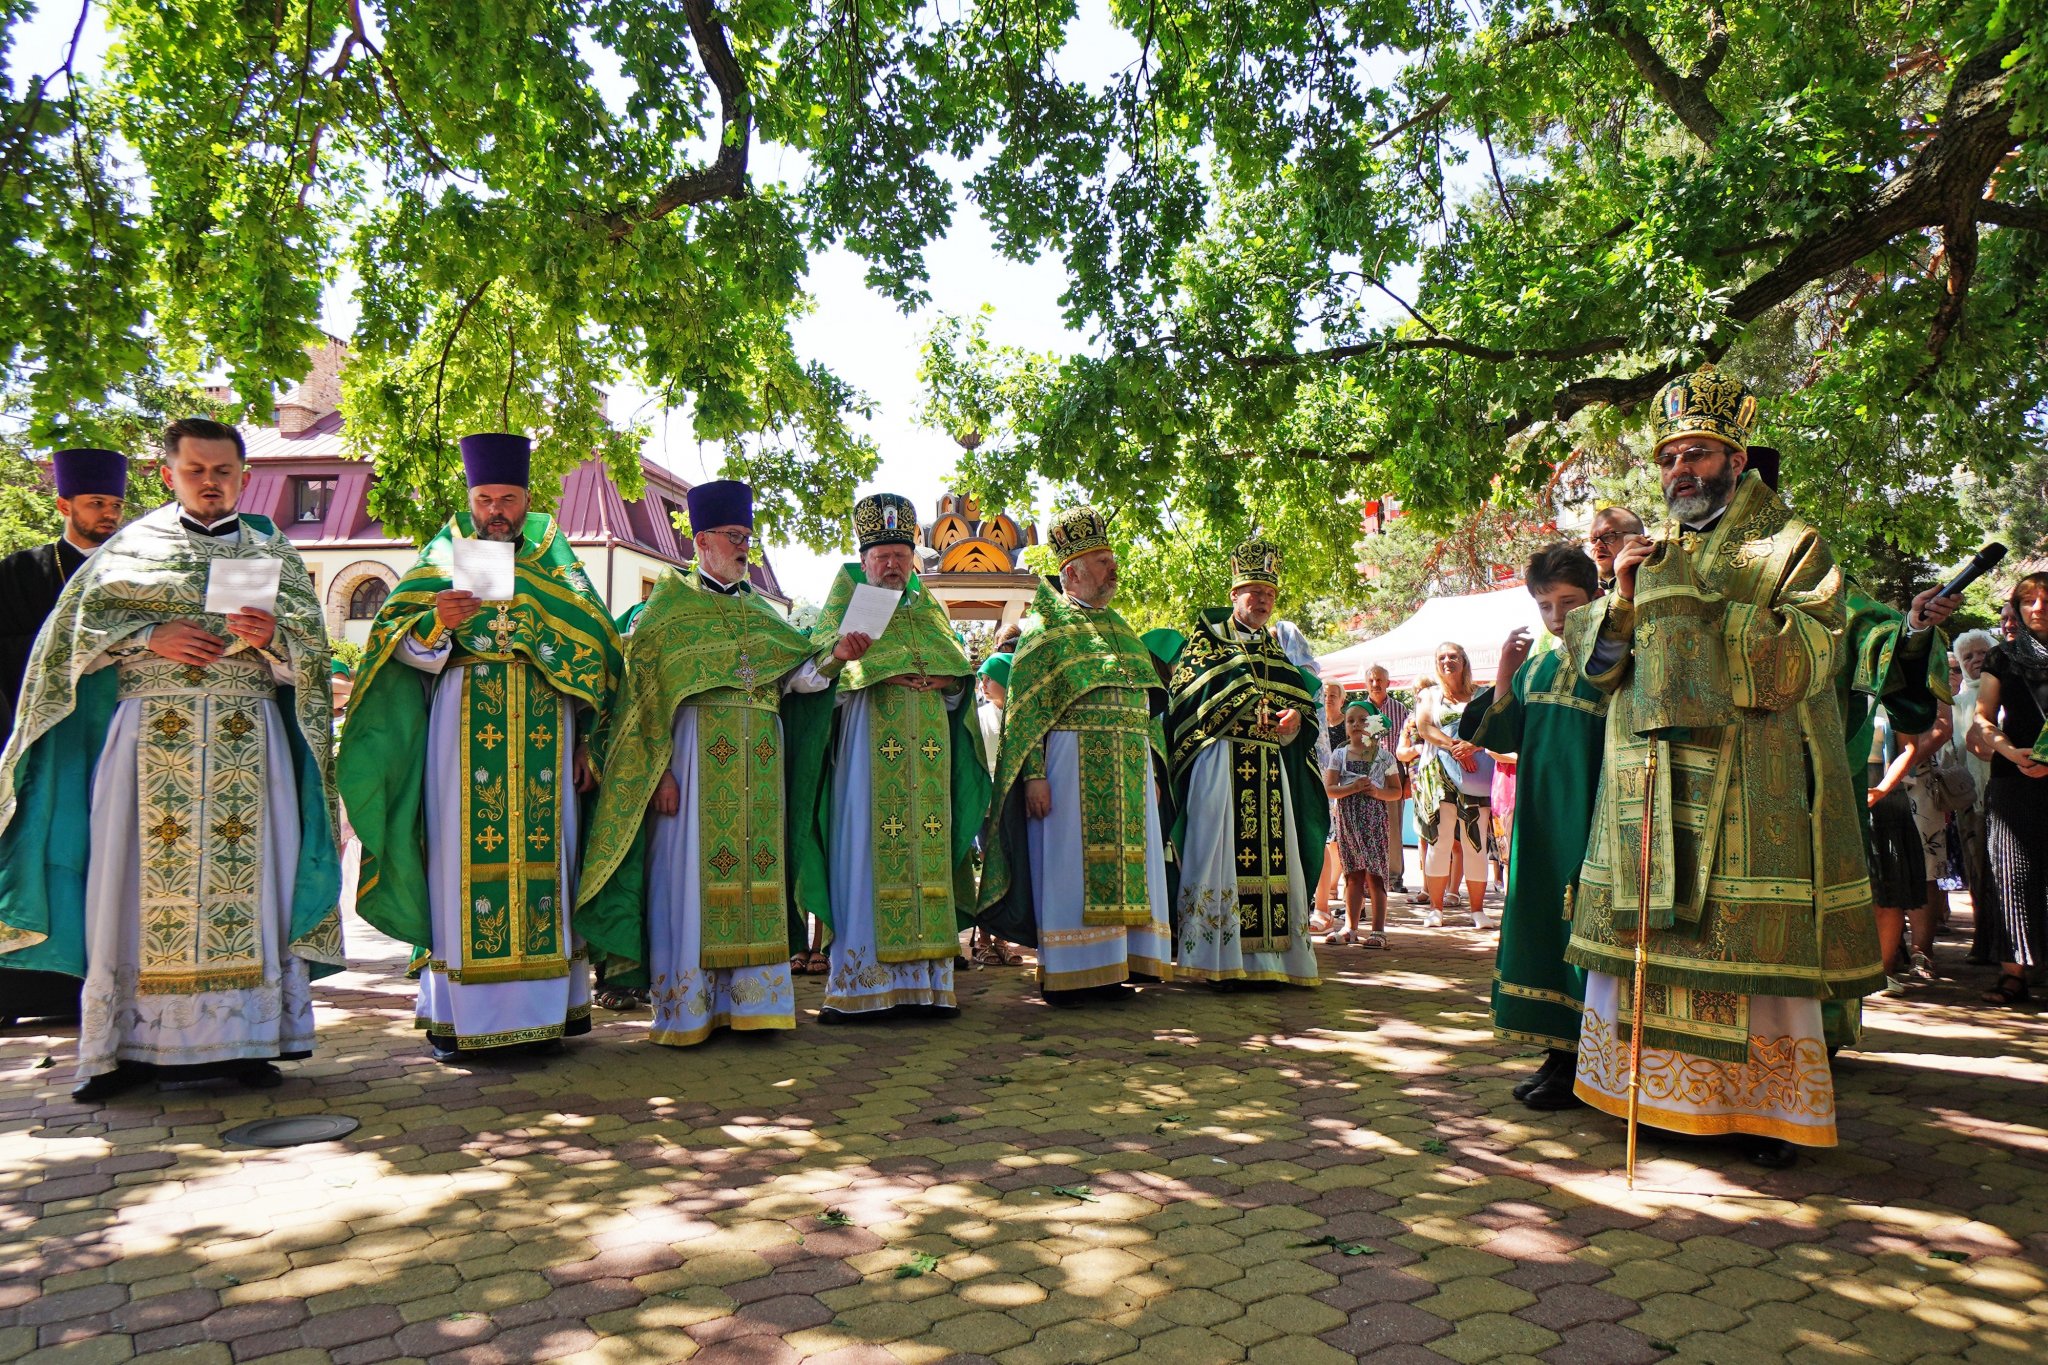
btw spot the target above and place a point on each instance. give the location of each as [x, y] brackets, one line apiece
[1361, 816]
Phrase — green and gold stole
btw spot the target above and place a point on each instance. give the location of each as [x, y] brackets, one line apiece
[1087, 671]
[509, 748]
[726, 656]
[740, 878]
[911, 739]
[518, 661]
[201, 766]
[1231, 690]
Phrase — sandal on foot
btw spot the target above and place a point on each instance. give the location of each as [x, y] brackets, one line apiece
[2008, 994]
[1012, 955]
[611, 999]
[1373, 940]
[989, 956]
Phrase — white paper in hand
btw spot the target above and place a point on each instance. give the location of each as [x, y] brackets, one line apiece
[869, 612]
[484, 568]
[234, 585]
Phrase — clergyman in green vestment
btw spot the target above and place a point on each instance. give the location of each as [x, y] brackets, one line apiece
[1719, 649]
[167, 797]
[686, 872]
[1252, 813]
[888, 788]
[1554, 722]
[467, 743]
[1076, 856]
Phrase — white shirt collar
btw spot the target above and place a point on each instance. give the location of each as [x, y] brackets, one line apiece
[85, 550]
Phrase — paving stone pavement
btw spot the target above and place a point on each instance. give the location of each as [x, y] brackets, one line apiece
[1287, 1178]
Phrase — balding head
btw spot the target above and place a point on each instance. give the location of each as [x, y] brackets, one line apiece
[1611, 526]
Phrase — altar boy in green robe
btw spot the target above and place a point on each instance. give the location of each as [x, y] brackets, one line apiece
[1541, 710]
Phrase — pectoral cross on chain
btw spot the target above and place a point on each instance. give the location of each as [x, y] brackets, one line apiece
[501, 626]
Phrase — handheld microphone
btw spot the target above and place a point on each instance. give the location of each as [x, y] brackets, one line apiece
[1981, 563]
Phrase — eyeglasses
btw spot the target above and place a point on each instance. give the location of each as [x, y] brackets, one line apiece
[1695, 456]
[740, 539]
[1607, 540]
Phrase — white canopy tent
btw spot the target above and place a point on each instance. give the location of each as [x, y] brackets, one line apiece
[1479, 621]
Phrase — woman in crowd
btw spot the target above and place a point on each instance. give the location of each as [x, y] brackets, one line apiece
[2011, 696]
[1930, 825]
[1330, 890]
[1458, 822]
[1987, 942]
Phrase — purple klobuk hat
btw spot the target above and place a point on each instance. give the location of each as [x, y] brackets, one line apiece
[722, 502]
[86, 471]
[496, 457]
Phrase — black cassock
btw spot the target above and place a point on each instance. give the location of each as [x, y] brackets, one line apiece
[30, 581]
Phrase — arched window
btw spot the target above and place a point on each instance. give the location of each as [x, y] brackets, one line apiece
[367, 600]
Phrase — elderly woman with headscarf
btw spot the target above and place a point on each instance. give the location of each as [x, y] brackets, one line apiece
[2012, 695]
[1966, 669]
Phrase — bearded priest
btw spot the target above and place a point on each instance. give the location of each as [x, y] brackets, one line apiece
[888, 787]
[1253, 816]
[687, 871]
[468, 741]
[1076, 857]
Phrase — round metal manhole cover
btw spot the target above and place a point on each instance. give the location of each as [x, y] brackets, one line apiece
[296, 1131]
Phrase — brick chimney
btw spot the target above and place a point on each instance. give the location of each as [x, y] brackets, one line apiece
[319, 393]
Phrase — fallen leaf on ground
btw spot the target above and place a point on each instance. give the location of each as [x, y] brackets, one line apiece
[921, 1263]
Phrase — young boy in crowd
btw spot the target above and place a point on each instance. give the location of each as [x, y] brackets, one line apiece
[1541, 710]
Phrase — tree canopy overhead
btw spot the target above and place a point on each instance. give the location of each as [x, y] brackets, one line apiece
[1557, 206]
[1431, 252]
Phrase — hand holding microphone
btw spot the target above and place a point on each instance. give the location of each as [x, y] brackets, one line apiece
[1935, 606]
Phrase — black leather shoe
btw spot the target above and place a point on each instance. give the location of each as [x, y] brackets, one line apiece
[444, 1052]
[1773, 1154]
[258, 1076]
[1551, 1060]
[124, 1077]
[832, 1016]
[544, 1047]
[1556, 1091]
[1066, 1000]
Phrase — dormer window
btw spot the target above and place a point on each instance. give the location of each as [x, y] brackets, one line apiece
[311, 498]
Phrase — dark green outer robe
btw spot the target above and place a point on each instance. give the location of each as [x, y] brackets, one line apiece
[1555, 722]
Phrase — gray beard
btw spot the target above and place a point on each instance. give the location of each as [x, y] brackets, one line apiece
[1692, 510]
[1712, 497]
[506, 539]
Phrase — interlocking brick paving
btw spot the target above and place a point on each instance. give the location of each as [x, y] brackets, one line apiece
[1286, 1178]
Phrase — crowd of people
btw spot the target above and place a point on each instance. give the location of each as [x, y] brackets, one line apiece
[687, 807]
